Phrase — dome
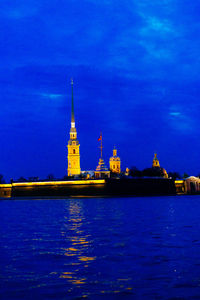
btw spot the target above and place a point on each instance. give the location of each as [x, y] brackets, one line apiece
[155, 172]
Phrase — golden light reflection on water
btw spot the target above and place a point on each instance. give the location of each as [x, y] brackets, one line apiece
[79, 241]
[72, 249]
[78, 281]
[86, 258]
[80, 259]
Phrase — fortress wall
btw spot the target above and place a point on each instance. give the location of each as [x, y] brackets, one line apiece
[5, 190]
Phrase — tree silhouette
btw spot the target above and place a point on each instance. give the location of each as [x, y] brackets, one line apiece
[185, 175]
[134, 172]
[174, 175]
[21, 179]
[153, 172]
[2, 179]
[50, 177]
[33, 179]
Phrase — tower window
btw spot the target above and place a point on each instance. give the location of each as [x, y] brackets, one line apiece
[74, 151]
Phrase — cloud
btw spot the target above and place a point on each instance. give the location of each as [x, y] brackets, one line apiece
[51, 96]
[175, 113]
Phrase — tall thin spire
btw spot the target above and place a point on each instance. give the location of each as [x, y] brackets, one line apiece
[72, 116]
[73, 145]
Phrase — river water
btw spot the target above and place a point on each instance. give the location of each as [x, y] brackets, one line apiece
[100, 248]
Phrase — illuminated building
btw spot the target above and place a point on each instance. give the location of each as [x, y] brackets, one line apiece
[127, 171]
[73, 145]
[101, 170]
[156, 166]
[155, 161]
[115, 162]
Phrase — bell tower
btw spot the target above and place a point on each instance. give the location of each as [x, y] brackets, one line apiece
[115, 162]
[73, 145]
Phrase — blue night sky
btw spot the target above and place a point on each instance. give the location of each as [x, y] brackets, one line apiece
[136, 75]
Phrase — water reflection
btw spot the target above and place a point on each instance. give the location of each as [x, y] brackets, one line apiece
[133, 248]
[80, 243]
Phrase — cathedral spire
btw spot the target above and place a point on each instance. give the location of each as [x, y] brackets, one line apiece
[72, 113]
[73, 144]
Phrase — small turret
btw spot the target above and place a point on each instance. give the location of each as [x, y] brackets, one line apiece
[155, 161]
[158, 171]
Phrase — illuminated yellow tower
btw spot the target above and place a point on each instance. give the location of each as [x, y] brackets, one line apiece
[156, 165]
[155, 161]
[115, 162]
[73, 145]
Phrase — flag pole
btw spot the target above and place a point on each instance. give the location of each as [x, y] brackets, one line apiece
[101, 145]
